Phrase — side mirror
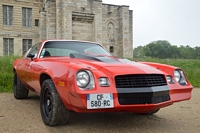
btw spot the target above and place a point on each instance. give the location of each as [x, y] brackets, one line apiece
[30, 56]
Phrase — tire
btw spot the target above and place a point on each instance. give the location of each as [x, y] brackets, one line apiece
[151, 113]
[20, 92]
[52, 109]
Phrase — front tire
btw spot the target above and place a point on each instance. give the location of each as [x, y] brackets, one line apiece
[52, 109]
[20, 92]
[151, 113]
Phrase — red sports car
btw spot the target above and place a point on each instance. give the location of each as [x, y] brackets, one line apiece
[83, 77]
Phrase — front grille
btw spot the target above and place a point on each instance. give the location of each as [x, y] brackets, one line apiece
[140, 80]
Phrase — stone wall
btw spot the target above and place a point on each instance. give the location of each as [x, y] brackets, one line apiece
[82, 26]
[17, 31]
[91, 20]
[88, 20]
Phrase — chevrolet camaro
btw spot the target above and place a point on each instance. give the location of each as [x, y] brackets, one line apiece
[83, 77]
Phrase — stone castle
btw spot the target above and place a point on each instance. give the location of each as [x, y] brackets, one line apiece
[27, 22]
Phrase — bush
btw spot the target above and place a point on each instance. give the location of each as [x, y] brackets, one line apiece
[6, 73]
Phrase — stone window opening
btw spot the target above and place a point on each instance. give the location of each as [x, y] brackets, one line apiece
[36, 22]
[111, 49]
[26, 16]
[111, 31]
[7, 15]
[26, 45]
[8, 46]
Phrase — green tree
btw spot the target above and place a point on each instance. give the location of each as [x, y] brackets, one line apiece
[163, 49]
[138, 52]
[158, 49]
[175, 52]
[197, 52]
[186, 52]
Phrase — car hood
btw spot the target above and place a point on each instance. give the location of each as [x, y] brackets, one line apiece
[116, 66]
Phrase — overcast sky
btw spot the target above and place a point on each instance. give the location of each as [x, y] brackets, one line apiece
[177, 21]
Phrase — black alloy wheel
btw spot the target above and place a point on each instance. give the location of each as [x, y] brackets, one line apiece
[52, 109]
[47, 100]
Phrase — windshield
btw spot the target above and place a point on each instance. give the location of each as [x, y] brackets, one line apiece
[64, 48]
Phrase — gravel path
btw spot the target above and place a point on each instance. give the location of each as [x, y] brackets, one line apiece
[23, 116]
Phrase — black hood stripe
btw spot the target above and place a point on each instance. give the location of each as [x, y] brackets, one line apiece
[105, 59]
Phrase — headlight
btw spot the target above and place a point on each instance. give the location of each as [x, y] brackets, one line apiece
[170, 79]
[82, 78]
[85, 79]
[180, 77]
[104, 82]
[182, 80]
[177, 75]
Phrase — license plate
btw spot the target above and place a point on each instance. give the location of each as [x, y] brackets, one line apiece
[96, 101]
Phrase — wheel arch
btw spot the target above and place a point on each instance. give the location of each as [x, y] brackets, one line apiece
[43, 77]
[63, 94]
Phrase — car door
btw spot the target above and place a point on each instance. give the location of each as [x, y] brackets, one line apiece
[25, 67]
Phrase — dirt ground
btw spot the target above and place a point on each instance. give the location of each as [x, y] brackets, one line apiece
[23, 116]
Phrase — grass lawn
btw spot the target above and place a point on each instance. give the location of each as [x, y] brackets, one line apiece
[191, 68]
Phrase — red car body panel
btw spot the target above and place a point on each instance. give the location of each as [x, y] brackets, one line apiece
[62, 71]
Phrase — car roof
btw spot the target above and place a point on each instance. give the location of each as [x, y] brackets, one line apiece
[49, 40]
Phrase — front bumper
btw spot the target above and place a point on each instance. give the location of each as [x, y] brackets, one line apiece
[137, 100]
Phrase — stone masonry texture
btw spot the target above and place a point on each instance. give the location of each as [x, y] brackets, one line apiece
[88, 20]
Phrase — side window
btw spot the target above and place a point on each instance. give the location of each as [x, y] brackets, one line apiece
[34, 49]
